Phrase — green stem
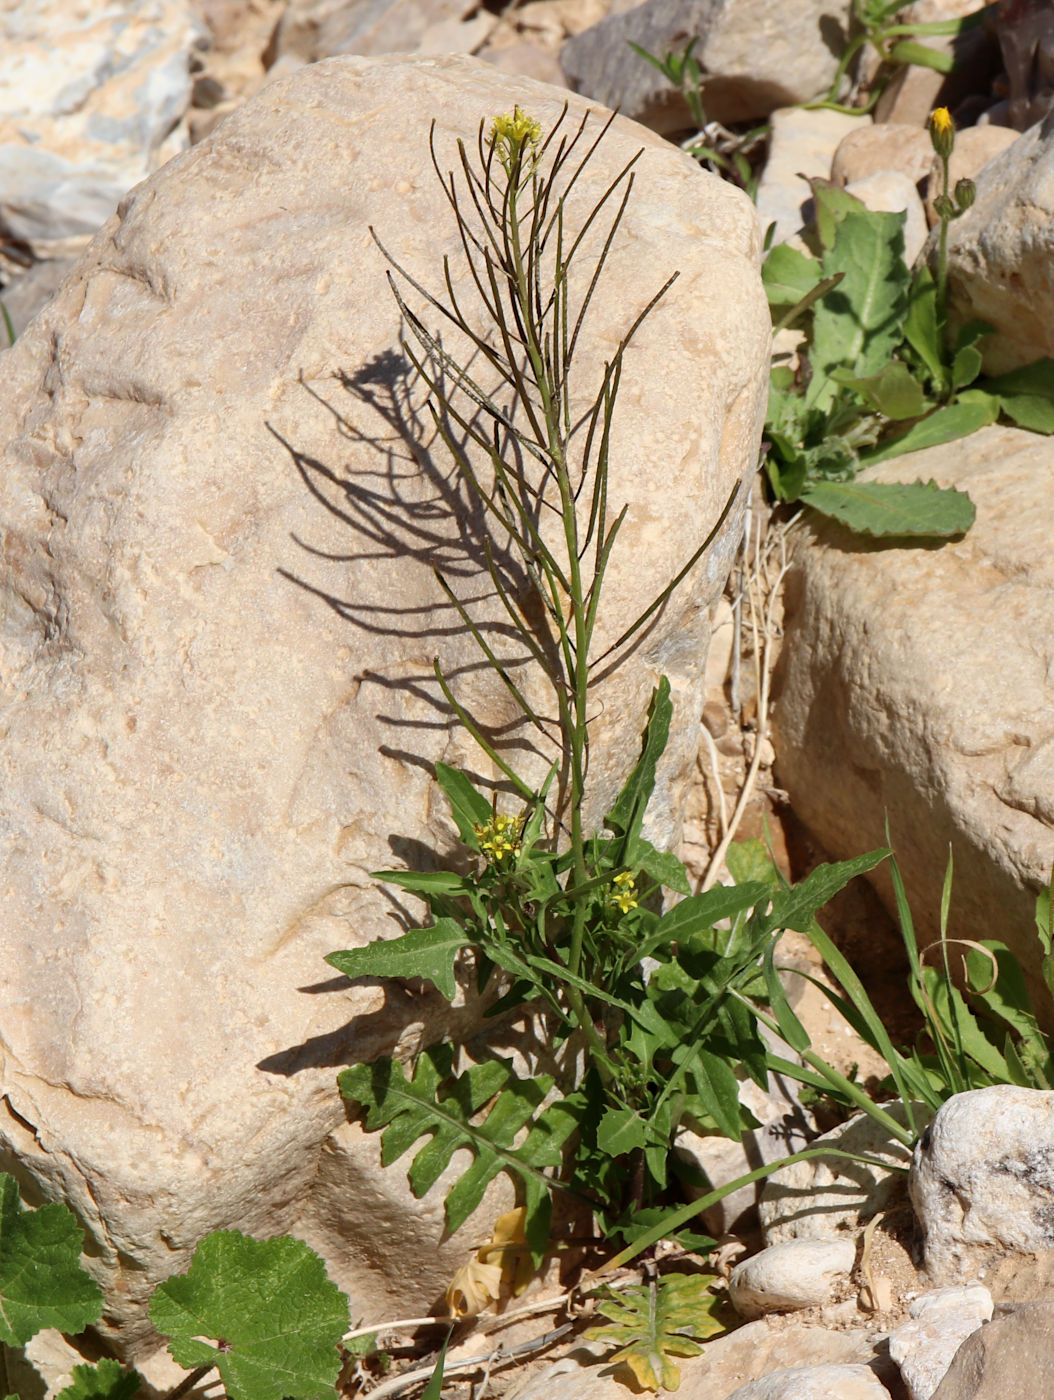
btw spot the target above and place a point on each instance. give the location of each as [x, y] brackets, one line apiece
[942, 282]
[577, 733]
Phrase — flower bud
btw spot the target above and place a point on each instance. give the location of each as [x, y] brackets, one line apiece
[944, 208]
[965, 194]
[942, 132]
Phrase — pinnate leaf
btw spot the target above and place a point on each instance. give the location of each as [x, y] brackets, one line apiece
[42, 1283]
[482, 1109]
[262, 1311]
[656, 1322]
[107, 1381]
[919, 508]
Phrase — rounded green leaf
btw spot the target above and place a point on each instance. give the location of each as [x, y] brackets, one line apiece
[262, 1311]
[42, 1283]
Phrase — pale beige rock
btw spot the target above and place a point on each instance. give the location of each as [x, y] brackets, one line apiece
[869, 148]
[981, 1180]
[802, 144]
[915, 683]
[755, 56]
[1011, 1355]
[830, 1197]
[941, 1320]
[790, 1276]
[92, 99]
[975, 146]
[1000, 252]
[913, 91]
[814, 1383]
[314, 29]
[219, 622]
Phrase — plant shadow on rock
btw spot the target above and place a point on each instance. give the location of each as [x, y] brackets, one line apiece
[410, 508]
[413, 509]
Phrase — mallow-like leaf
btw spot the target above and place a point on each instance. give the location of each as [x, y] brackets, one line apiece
[262, 1311]
[42, 1283]
[107, 1381]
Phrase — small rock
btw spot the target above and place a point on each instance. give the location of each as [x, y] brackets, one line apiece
[787, 1277]
[315, 29]
[941, 1321]
[815, 1383]
[822, 1197]
[802, 144]
[882, 146]
[914, 91]
[982, 1179]
[754, 58]
[526, 60]
[1013, 1355]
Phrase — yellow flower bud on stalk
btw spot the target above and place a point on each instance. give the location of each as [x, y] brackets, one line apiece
[942, 135]
[942, 132]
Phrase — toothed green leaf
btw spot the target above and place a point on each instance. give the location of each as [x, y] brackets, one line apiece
[42, 1283]
[914, 508]
[262, 1311]
[107, 1381]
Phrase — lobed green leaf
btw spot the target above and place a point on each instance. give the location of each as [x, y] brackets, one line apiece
[42, 1283]
[263, 1312]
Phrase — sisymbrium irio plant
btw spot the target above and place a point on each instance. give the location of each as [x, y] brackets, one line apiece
[562, 927]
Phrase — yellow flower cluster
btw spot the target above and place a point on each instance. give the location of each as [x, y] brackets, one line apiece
[500, 837]
[624, 892]
[514, 136]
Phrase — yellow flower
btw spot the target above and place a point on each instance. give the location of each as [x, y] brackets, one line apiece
[514, 137]
[624, 892]
[942, 132]
[500, 837]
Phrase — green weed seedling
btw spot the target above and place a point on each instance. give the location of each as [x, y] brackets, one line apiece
[878, 374]
[715, 147]
[876, 24]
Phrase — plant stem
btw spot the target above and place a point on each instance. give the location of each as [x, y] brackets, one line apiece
[942, 251]
[578, 650]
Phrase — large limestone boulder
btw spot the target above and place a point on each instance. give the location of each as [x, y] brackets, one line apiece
[1000, 252]
[915, 684]
[219, 621]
